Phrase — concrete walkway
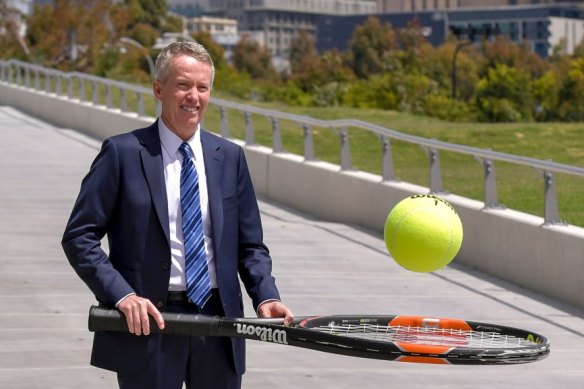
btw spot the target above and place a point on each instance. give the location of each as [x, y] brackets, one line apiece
[322, 268]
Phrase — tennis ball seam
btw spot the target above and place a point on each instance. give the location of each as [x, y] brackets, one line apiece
[412, 238]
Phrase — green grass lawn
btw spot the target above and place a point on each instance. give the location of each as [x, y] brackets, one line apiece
[519, 187]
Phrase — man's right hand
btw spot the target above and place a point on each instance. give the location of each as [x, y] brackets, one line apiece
[136, 309]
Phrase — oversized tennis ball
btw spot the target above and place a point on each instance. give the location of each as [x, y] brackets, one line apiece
[423, 233]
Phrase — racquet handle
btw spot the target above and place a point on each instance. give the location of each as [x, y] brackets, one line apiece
[175, 323]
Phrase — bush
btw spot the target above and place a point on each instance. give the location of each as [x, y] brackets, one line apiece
[444, 108]
[376, 92]
[504, 94]
[230, 81]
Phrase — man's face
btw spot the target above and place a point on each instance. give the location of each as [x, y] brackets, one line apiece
[184, 94]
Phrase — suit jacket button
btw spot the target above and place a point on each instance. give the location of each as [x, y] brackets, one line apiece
[165, 266]
[160, 304]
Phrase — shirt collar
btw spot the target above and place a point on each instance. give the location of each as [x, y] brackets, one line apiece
[171, 142]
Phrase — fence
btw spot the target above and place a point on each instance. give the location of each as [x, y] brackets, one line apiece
[119, 95]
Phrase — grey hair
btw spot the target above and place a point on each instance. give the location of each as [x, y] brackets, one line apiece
[176, 49]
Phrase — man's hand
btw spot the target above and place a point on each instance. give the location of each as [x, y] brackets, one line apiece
[276, 309]
[136, 309]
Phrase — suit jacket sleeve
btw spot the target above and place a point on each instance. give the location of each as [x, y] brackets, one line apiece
[88, 224]
[255, 263]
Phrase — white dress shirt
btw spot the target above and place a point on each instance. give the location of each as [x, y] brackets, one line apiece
[172, 162]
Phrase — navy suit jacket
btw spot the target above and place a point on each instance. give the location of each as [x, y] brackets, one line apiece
[124, 197]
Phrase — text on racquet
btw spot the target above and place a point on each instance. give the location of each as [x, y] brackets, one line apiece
[395, 338]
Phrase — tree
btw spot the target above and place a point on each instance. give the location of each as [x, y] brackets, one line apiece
[11, 41]
[302, 47]
[69, 33]
[152, 12]
[504, 95]
[215, 50]
[255, 60]
[546, 96]
[369, 45]
[571, 94]
[504, 52]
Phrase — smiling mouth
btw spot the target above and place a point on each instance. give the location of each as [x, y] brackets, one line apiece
[189, 109]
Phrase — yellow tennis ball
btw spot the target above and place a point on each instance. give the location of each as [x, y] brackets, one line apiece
[423, 233]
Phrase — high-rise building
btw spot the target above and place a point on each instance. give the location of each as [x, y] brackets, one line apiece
[188, 8]
[431, 5]
[277, 22]
[542, 27]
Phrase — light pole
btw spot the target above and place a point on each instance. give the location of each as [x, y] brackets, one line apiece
[470, 33]
[137, 44]
[454, 56]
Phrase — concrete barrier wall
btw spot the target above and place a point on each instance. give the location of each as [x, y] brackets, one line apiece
[507, 244]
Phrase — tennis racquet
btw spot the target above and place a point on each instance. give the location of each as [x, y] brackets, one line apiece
[395, 338]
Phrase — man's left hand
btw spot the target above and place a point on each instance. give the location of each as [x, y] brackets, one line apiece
[272, 309]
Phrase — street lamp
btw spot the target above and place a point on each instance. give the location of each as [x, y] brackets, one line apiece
[137, 44]
[469, 33]
[454, 56]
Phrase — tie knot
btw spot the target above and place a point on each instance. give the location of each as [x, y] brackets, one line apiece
[185, 150]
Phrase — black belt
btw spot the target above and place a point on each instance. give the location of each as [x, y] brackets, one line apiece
[178, 297]
[182, 298]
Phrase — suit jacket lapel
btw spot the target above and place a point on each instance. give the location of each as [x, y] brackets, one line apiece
[213, 157]
[151, 156]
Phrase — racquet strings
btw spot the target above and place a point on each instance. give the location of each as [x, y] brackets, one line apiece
[426, 336]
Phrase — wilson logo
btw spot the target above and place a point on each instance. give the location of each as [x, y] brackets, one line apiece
[263, 334]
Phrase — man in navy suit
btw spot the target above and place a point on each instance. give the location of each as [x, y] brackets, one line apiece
[132, 195]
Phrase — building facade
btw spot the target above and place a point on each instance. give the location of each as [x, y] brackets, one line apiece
[223, 31]
[276, 22]
[543, 27]
[544, 24]
[188, 8]
[433, 5]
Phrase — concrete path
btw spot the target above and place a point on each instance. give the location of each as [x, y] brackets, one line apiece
[322, 268]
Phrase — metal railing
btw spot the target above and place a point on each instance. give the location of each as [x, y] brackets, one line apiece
[77, 84]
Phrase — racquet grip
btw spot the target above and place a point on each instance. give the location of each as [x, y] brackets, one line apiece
[102, 319]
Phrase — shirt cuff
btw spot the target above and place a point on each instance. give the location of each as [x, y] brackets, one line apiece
[262, 303]
[122, 299]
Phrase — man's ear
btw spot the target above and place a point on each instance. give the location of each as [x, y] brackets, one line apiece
[156, 89]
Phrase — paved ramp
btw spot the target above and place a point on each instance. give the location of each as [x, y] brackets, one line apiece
[322, 268]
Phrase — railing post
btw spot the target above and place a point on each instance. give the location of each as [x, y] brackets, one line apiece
[224, 122]
[47, 82]
[276, 136]
[123, 100]
[109, 98]
[27, 77]
[249, 133]
[551, 214]
[308, 143]
[70, 87]
[7, 74]
[435, 172]
[37, 80]
[140, 98]
[18, 76]
[81, 90]
[490, 185]
[387, 172]
[59, 88]
[95, 93]
[346, 163]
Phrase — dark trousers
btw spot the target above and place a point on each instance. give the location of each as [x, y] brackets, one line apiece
[199, 362]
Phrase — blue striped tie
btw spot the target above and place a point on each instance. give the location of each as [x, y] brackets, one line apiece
[196, 272]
